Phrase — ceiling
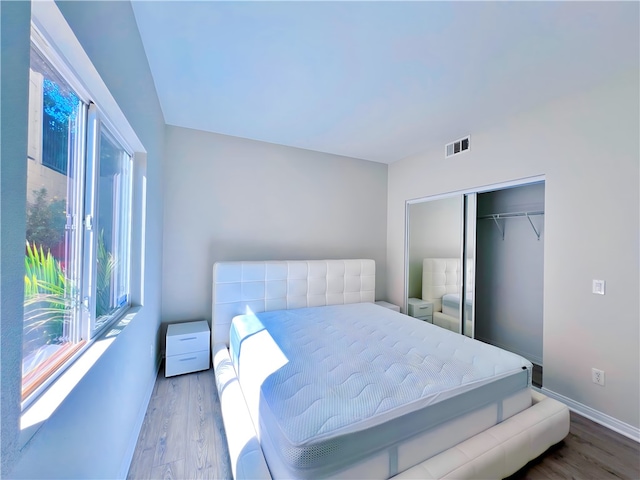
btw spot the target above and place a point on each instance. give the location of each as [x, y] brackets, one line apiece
[375, 80]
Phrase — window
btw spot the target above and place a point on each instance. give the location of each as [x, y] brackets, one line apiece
[79, 209]
[114, 217]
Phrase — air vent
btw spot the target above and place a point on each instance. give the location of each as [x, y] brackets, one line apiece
[457, 147]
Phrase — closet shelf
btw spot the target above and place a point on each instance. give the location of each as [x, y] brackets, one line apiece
[497, 216]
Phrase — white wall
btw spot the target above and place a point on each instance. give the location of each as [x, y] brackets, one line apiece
[14, 84]
[435, 230]
[587, 146]
[509, 272]
[92, 433]
[228, 198]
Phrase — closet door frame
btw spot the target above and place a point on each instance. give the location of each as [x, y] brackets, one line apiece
[468, 256]
[466, 193]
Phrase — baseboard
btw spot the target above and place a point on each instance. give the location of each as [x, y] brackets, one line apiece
[603, 419]
[133, 441]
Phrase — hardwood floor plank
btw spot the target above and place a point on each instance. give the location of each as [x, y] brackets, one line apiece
[150, 432]
[171, 444]
[200, 426]
[141, 464]
[202, 385]
[609, 441]
[163, 418]
[162, 383]
[222, 462]
[169, 471]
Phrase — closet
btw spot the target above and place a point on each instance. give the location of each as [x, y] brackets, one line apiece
[483, 250]
[509, 270]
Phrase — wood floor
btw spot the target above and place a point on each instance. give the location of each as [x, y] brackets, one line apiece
[590, 451]
[182, 437]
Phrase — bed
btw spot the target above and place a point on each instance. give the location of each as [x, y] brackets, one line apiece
[441, 285]
[316, 381]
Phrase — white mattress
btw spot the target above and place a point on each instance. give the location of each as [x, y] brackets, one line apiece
[329, 387]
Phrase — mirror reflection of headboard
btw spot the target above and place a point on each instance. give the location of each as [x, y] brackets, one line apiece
[439, 277]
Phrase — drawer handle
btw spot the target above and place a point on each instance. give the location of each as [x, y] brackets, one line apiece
[423, 307]
[187, 359]
[188, 338]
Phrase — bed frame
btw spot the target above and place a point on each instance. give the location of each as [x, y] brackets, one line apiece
[239, 287]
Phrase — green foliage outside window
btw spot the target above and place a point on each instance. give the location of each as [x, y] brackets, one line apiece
[106, 266]
[46, 220]
[46, 294]
[45, 298]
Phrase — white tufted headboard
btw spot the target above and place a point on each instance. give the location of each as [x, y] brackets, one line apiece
[281, 285]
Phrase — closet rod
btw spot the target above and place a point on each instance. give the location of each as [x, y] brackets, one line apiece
[496, 216]
[512, 214]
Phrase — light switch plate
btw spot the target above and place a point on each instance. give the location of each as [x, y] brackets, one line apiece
[598, 287]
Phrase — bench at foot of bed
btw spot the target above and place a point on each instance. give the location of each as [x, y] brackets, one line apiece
[502, 449]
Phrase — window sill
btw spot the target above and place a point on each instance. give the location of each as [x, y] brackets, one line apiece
[41, 409]
[38, 375]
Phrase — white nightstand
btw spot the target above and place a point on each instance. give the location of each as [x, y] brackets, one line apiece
[188, 348]
[388, 305]
[421, 309]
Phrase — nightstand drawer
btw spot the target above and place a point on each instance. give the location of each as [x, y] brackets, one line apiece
[187, 337]
[426, 318]
[419, 308]
[188, 362]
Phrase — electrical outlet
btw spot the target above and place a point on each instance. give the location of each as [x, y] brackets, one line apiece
[597, 376]
[151, 350]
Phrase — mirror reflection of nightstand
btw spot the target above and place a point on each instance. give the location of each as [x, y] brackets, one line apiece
[421, 309]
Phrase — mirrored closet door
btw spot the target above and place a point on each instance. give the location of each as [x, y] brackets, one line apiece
[474, 265]
[436, 259]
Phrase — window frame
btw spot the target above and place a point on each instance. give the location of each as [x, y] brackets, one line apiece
[70, 61]
[97, 124]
